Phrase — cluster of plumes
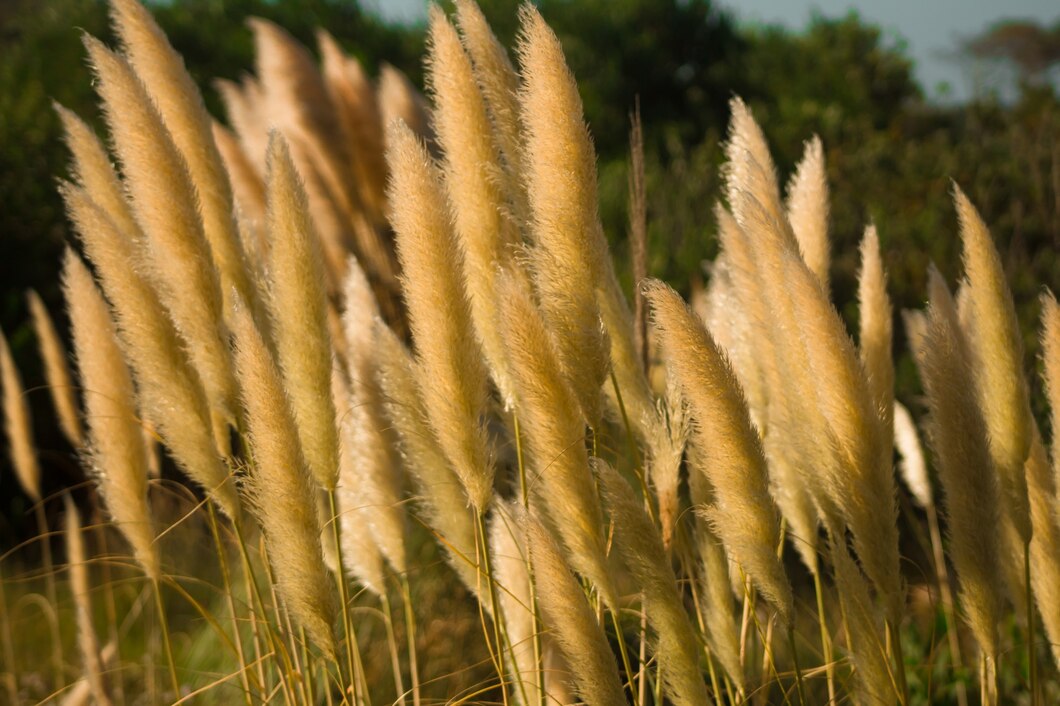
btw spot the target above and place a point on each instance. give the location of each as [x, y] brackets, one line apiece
[377, 293]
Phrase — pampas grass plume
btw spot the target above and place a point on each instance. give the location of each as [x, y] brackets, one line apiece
[998, 353]
[87, 641]
[18, 425]
[163, 198]
[874, 341]
[116, 450]
[913, 466]
[171, 393]
[807, 209]
[959, 438]
[568, 618]
[743, 514]
[280, 488]
[56, 371]
[450, 365]
[298, 309]
[643, 553]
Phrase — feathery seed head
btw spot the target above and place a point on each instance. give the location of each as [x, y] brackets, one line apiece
[18, 425]
[56, 371]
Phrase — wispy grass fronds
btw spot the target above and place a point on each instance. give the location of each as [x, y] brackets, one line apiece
[642, 552]
[554, 430]
[958, 436]
[176, 252]
[807, 208]
[298, 309]
[998, 355]
[912, 466]
[248, 190]
[567, 617]
[718, 606]
[280, 489]
[1050, 338]
[442, 500]
[743, 514]
[244, 107]
[115, 449]
[569, 252]
[56, 371]
[18, 425]
[92, 170]
[475, 184]
[169, 388]
[875, 339]
[749, 170]
[450, 367]
[180, 104]
[80, 586]
[366, 429]
[399, 100]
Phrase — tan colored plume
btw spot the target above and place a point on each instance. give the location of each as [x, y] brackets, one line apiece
[807, 209]
[18, 425]
[876, 334]
[116, 449]
[912, 466]
[56, 371]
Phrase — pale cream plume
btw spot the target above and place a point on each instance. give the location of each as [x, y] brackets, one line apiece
[749, 170]
[958, 436]
[639, 545]
[280, 488]
[171, 393]
[56, 371]
[248, 188]
[807, 209]
[180, 104]
[742, 514]
[450, 367]
[360, 550]
[913, 466]
[163, 198]
[554, 434]
[722, 633]
[569, 255]
[997, 348]
[244, 106]
[297, 306]
[567, 617]
[116, 449]
[442, 499]
[93, 171]
[1050, 339]
[87, 641]
[875, 339]
[474, 184]
[18, 425]
[365, 427]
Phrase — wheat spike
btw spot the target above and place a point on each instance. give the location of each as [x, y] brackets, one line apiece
[92, 170]
[569, 254]
[79, 586]
[743, 514]
[441, 496]
[452, 375]
[116, 449]
[474, 184]
[56, 371]
[280, 487]
[298, 308]
[18, 425]
[171, 393]
[163, 198]
[643, 554]
[554, 434]
[807, 209]
[180, 104]
[567, 616]
[998, 354]
[959, 438]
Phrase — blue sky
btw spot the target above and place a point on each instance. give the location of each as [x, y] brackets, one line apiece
[930, 28]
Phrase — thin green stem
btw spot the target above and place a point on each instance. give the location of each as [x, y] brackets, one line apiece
[826, 638]
[353, 653]
[410, 631]
[795, 664]
[49, 586]
[391, 639]
[486, 566]
[626, 664]
[163, 622]
[895, 639]
[244, 672]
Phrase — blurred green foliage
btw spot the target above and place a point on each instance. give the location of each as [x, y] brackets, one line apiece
[891, 155]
